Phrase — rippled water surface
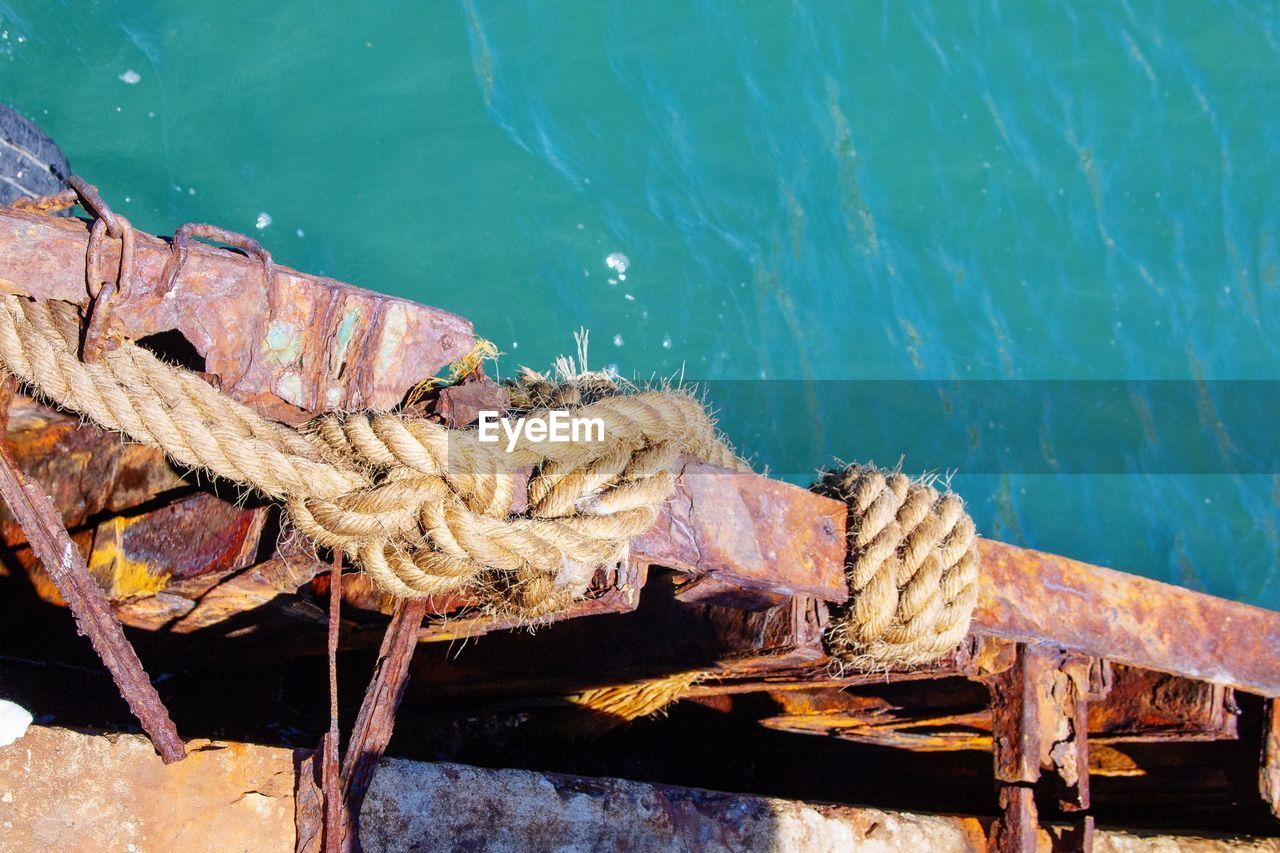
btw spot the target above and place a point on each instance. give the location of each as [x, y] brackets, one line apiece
[809, 196]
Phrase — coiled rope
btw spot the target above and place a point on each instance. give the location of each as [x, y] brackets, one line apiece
[912, 568]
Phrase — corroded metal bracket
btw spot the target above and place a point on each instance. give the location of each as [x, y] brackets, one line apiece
[1039, 724]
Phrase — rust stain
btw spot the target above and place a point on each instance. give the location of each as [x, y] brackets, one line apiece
[119, 576]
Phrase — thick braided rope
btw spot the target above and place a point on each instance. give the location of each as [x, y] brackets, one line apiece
[422, 508]
[912, 568]
[132, 391]
[586, 500]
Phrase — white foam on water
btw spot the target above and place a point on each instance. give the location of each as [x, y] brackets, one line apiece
[617, 340]
[14, 720]
[131, 77]
[618, 262]
[264, 219]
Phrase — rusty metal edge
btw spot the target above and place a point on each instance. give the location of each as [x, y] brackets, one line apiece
[290, 346]
[1055, 601]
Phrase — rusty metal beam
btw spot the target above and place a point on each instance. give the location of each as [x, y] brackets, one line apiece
[941, 715]
[746, 541]
[1041, 598]
[373, 727]
[302, 345]
[1142, 705]
[1018, 828]
[1038, 723]
[749, 534]
[743, 540]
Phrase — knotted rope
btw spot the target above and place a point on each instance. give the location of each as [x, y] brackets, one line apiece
[421, 508]
[912, 568]
[426, 510]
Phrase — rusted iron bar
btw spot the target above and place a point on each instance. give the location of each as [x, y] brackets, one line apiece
[1039, 721]
[749, 540]
[1269, 772]
[1041, 598]
[1018, 827]
[297, 346]
[65, 566]
[331, 775]
[1021, 700]
[376, 719]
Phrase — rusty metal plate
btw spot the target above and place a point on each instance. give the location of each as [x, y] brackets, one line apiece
[303, 345]
[197, 535]
[85, 472]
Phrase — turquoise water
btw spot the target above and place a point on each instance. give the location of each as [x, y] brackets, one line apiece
[807, 194]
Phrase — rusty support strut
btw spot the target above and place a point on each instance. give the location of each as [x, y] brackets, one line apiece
[49, 540]
[1039, 722]
[377, 717]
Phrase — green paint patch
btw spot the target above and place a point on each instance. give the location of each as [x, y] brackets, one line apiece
[284, 343]
[342, 341]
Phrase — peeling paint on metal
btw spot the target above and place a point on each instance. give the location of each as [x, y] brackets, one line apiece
[284, 343]
[227, 311]
[342, 339]
[393, 329]
[289, 388]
